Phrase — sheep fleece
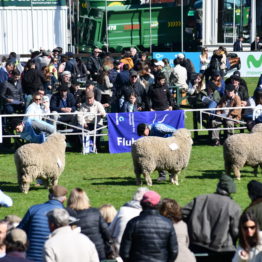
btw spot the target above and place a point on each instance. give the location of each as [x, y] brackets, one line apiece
[243, 149]
[46, 161]
[150, 153]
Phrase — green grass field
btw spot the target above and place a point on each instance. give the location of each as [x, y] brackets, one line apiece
[109, 178]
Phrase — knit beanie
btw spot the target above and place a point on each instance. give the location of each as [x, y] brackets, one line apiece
[227, 184]
[254, 189]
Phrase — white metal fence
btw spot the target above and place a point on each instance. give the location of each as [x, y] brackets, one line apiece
[75, 129]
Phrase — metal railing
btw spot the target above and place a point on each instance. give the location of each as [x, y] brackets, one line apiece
[75, 129]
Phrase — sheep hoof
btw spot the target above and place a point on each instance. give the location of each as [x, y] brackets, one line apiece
[174, 182]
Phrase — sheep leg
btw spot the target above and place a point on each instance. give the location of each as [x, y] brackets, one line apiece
[227, 168]
[236, 172]
[25, 183]
[148, 179]
[256, 170]
[174, 178]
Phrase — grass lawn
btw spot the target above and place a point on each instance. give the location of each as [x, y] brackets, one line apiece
[109, 178]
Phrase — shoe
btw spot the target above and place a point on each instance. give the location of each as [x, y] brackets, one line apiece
[161, 178]
[217, 143]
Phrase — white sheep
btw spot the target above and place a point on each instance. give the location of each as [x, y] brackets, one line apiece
[243, 150]
[45, 161]
[156, 153]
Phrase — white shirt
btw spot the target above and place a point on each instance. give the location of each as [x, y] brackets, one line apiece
[95, 108]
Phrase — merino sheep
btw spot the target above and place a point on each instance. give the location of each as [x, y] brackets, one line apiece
[45, 161]
[156, 153]
[243, 150]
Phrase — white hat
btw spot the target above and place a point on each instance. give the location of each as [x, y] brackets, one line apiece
[160, 63]
[66, 73]
[180, 55]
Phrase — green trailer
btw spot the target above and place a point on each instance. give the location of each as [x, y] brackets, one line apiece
[131, 24]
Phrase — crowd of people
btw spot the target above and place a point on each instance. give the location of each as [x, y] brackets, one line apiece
[54, 82]
[212, 227]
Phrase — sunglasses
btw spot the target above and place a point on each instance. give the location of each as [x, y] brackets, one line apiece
[37, 99]
[133, 76]
[251, 227]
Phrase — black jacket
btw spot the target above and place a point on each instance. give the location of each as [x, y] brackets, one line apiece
[158, 97]
[55, 102]
[149, 237]
[32, 79]
[93, 225]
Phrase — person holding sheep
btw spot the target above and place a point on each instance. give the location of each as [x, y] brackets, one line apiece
[156, 129]
[33, 130]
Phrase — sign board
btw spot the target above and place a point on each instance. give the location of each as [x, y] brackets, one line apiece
[250, 62]
[122, 126]
[193, 56]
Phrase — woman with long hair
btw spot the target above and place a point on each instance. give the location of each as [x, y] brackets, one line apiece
[250, 241]
[170, 209]
[90, 221]
[204, 60]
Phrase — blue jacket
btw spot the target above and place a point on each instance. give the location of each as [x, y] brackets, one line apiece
[30, 134]
[160, 129]
[35, 224]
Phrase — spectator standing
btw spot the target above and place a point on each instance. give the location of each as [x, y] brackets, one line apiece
[127, 59]
[91, 86]
[130, 105]
[94, 63]
[150, 236]
[5, 71]
[212, 221]
[255, 194]
[250, 240]
[11, 94]
[108, 212]
[219, 82]
[16, 245]
[204, 60]
[178, 76]
[71, 65]
[64, 244]
[94, 108]
[238, 45]
[240, 90]
[104, 84]
[128, 211]
[256, 45]
[134, 86]
[254, 101]
[35, 222]
[170, 209]
[90, 221]
[158, 96]
[228, 116]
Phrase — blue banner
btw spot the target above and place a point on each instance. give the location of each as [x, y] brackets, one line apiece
[193, 56]
[122, 126]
